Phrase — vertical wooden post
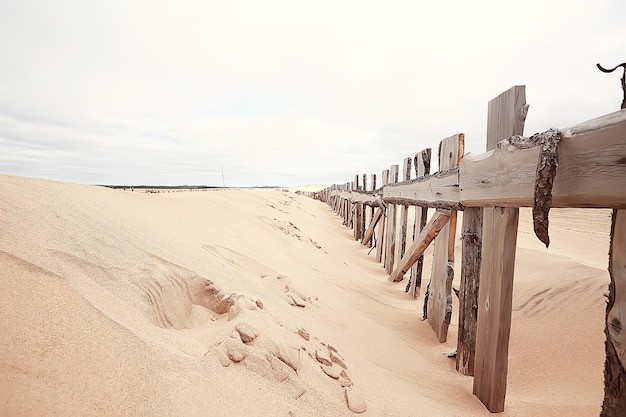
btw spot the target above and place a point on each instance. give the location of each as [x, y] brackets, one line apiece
[356, 208]
[363, 208]
[614, 403]
[390, 247]
[380, 244]
[472, 235]
[372, 208]
[404, 211]
[506, 116]
[439, 303]
[422, 167]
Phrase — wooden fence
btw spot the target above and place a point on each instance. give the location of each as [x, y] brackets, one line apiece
[489, 188]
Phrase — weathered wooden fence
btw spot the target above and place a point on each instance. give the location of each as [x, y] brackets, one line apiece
[489, 188]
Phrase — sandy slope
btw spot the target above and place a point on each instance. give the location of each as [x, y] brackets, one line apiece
[120, 303]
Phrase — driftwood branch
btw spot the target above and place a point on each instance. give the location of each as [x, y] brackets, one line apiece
[544, 179]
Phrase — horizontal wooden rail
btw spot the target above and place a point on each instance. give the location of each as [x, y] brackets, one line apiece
[591, 173]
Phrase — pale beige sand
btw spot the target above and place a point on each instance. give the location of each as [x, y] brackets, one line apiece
[105, 309]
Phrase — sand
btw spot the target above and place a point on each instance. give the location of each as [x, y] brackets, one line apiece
[260, 303]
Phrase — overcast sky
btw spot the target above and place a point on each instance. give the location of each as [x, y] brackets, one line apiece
[284, 92]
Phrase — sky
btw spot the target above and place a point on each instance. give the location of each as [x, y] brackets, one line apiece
[269, 92]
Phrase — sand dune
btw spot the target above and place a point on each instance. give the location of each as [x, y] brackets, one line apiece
[232, 303]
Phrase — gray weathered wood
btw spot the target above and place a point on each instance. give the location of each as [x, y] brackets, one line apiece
[404, 212]
[422, 167]
[506, 116]
[614, 403]
[592, 165]
[438, 188]
[439, 301]
[390, 239]
[370, 229]
[439, 220]
[380, 244]
[468, 291]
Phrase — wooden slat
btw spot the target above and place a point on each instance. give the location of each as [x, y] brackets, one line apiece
[370, 230]
[356, 208]
[506, 116]
[439, 220]
[390, 238]
[614, 403]
[441, 189]
[472, 235]
[404, 212]
[439, 304]
[592, 166]
[380, 244]
[422, 167]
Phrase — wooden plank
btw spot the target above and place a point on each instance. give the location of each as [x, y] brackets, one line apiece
[506, 116]
[356, 226]
[439, 301]
[441, 189]
[439, 220]
[614, 403]
[404, 212]
[363, 209]
[390, 239]
[370, 230]
[472, 234]
[592, 166]
[373, 182]
[422, 168]
[380, 244]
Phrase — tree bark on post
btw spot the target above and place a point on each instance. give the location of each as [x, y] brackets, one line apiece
[614, 367]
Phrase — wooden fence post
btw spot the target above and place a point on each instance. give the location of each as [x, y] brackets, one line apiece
[356, 208]
[390, 247]
[614, 403]
[439, 303]
[363, 209]
[404, 212]
[381, 225]
[506, 116]
[422, 167]
[472, 235]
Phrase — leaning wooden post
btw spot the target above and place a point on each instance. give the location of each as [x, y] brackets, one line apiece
[439, 302]
[506, 116]
[422, 168]
[404, 211]
[390, 247]
[380, 244]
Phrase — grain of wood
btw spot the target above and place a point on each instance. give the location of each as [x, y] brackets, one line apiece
[506, 116]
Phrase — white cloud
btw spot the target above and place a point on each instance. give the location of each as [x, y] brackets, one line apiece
[283, 92]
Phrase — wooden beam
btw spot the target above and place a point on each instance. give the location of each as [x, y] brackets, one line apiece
[472, 235]
[439, 189]
[380, 244]
[422, 168]
[404, 211]
[592, 167]
[506, 116]
[370, 230]
[615, 365]
[356, 222]
[390, 239]
[439, 302]
[421, 242]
